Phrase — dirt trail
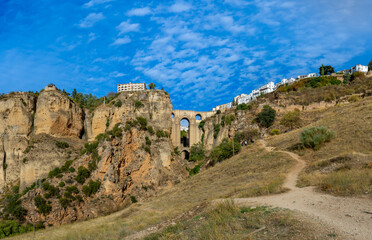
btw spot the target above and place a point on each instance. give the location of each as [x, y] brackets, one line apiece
[350, 216]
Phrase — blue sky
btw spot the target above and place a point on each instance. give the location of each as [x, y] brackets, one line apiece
[202, 52]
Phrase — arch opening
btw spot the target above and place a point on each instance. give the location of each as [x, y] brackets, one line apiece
[172, 115]
[185, 155]
[198, 117]
[185, 132]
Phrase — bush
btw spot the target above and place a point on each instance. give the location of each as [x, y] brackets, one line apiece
[195, 169]
[10, 228]
[246, 135]
[72, 189]
[226, 120]
[42, 205]
[356, 75]
[274, 132]
[160, 133]
[61, 184]
[243, 106]
[148, 141]
[62, 145]
[66, 166]
[291, 119]
[64, 202]
[267, 116]
[55, 173]
[150, 130]
[142, 122]
[197, 152]
[91, 188]
[13, 208]
[82, 174]
[201, 125]
[216, 129]
[314, 137]
[224, 151]
[118, 103]
[116, 131]
[51, 190]
[147, 149]
[353, 98]
[138, 104]
[133, 199]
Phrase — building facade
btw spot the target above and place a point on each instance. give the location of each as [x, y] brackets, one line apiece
[267, 88]
[359, 68]
[131, 87]
[308, 76]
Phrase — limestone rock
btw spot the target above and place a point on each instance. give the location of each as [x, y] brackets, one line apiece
[57, 115]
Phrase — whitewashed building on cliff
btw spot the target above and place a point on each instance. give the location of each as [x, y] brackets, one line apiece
[308, 75]
[131, 87]
[359, 68]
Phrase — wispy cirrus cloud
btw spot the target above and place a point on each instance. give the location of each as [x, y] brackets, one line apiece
[180, 6]
[126, 26]
[92, 3]
[121, 41]
[91, 19]
[139, 11]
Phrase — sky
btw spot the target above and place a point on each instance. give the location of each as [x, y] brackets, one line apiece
[202, 52]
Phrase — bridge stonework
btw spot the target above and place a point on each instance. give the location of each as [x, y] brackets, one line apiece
[194, 132]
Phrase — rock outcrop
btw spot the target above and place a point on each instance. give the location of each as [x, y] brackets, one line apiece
[16, 118]
[57, 115]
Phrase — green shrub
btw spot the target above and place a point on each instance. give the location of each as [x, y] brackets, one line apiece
[71, 169]
[116, 131]
[142, 122]
[66, 166]
[216, 129]
[10, 228]
[61, 184]
[243, 106]
[64, 202]
[194, 170]
[197, 152]
[224, 151]
[274, 132]
[82, 174]
[160, 133]
[148, 141]
[138, 104]
[147, 149]
[91, 188]
[62, 145]
[150, 130]
[92, 165]
[314, 137]
[133, 199]
[267, 116]
[91, 147]
[51, 191]
[42, 205]
[176, 151]
[356, 75]
[291, 119]
[201, 125]
[72, 189]
[12, 206]
[118, 103]
[246, 135]
[55, 173]
[79, 198]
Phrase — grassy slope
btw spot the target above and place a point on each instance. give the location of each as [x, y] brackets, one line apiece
[351, 173]
[250, 173]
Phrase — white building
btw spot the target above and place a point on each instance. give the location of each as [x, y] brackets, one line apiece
[285, 81]
[267, 88]
[359, 68]
[308, 76]
[131, 87]
[244, 98]
[223, 107]
[184, 128]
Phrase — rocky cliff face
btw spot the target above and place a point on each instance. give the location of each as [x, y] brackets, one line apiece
[57, 115]
[16, 117]
[129, 164]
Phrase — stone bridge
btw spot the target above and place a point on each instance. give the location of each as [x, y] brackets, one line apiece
[194, 133]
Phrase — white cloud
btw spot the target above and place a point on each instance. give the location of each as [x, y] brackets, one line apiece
[117, 74]
[139, 11]
[180, 6]
[95, 2]
[121, 41]
[91, 19]
[92, 37]
[125, 27]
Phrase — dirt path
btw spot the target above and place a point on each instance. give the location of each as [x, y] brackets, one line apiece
[350, 216]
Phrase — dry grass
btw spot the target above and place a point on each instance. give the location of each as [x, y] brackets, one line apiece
[352, 124]
[227, 221]
[252, 172]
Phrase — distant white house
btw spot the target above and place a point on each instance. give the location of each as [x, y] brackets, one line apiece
[223, 107]
[285, 81]
[359, 68]
[308, 76]
[244, 98]
[267, 88]
[184, 128]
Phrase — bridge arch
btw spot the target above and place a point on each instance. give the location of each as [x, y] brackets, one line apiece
[185, 155]
[194, 132]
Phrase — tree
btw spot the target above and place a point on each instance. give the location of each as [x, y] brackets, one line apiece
[291, 119]
[152, 86]
[370, 66]
[267, 116]
[325, 70]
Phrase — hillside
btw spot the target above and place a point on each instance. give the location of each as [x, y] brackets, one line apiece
[128, 160]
